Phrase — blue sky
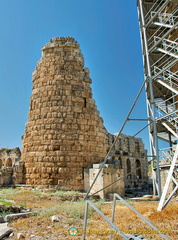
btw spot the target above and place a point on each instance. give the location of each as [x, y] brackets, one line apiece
[110, 42]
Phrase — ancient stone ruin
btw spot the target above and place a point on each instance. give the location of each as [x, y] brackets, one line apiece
[64, 133]
[65, 139]
[11, 168]
[128, 163]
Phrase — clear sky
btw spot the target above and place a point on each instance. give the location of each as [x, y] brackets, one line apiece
[108, 34]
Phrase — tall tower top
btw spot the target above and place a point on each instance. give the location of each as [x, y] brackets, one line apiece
[58, 42]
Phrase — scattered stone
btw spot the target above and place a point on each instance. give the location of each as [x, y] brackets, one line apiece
[11, 235]
[148, 196]
[4, 232]
[14, 209]
[20, 236]
[10, 217]
[56, 218]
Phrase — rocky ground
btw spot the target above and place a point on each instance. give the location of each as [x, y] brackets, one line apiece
[54, 214]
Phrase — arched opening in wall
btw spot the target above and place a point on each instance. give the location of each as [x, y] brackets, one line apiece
[0, 163]
[9, 162]
[128, 168]
[138, 169]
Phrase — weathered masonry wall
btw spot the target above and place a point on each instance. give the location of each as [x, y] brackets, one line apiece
[8, 157]
[109, 174]
[11, 168]
[131, 156]
[64, 133]
[128, 162]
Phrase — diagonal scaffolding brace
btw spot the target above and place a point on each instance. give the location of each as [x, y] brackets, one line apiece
[169, 177]
[115, 140]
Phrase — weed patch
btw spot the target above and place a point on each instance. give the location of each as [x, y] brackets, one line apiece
[47, 204]
[5, 203]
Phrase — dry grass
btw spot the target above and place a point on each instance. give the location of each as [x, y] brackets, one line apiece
[127, 221]
[41, 227]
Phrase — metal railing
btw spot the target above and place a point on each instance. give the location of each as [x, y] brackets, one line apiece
[167, 46]
[162, 202]
[158, 6]
[168, 110]
[168, 76]
[166, 156]
[170, 46]
[113, 227]
[165, 18]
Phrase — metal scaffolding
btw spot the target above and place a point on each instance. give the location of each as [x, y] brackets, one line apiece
[159, 36]
[113, 227]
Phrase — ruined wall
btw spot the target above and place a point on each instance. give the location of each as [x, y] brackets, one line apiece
[18, 173]
[108, 175]
[6, 174]
[9, 159]
[64, 133]
[128, 162]
[9, 156]
[131, 156]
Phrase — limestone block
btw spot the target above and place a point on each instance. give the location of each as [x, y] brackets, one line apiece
[5, 232]
[10, 217]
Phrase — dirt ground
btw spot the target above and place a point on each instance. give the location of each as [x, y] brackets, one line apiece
[70, 208]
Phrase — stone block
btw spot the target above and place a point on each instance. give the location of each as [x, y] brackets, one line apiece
[10, 217]
[5, 232]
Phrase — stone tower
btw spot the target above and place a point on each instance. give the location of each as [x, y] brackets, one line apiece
[64, 133]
